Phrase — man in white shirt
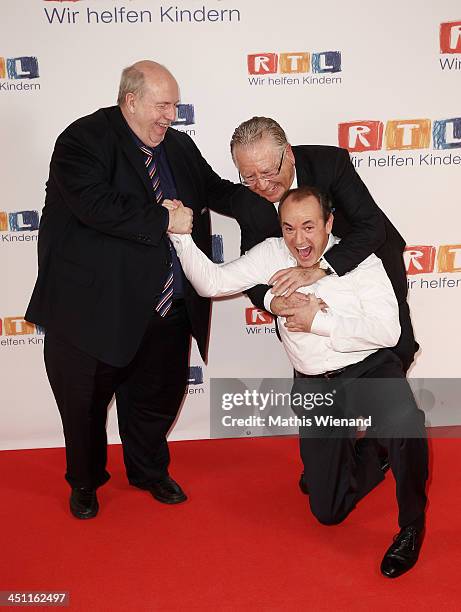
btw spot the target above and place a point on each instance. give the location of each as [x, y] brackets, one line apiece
[342, 339]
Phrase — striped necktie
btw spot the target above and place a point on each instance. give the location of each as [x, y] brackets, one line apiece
[166, 297]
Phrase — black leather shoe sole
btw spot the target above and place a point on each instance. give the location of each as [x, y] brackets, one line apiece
[84, 515]
[168, 492]
[393, 568]
[403, 553]
[168, 499]
[83, 506]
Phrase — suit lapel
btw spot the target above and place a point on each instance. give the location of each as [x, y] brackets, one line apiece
[129, 147]
[269, 220]
[179, 166]
[303, 173]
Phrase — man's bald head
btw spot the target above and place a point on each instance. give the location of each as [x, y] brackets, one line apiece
[135, 77]
[148, 96]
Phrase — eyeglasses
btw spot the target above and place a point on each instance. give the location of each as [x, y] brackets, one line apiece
[266, 176]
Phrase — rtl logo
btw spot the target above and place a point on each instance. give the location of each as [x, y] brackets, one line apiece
[19, 221]
[294, 63]
[195, 375]
[25, 67]
[18, 326]
[217, 249]
[256, 316]
[400, 134]
[421, 259]
[185, 115]
[450, 37]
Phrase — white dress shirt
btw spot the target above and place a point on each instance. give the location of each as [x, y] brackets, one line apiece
[362, 314]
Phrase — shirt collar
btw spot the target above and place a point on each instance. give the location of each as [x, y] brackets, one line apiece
[293, 185]
[332, 240]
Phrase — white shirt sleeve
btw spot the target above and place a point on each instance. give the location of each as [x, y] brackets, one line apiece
[377, 322]
[268, 299]
[322, 323]
[214, 280]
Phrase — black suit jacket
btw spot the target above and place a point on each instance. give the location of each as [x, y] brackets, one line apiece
[365, 229]
[103, 250]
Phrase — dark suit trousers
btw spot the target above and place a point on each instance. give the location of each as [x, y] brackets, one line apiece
[407, 346]
[338, 471]
[149, 393]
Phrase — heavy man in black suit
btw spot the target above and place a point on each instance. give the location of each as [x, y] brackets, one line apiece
[270, 166]
[110, 292]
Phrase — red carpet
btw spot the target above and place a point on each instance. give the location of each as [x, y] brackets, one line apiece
[245, 539]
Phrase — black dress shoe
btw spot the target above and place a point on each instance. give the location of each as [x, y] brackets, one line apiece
[403, 552]
[303, 485]
[167, 491]
[84, 503]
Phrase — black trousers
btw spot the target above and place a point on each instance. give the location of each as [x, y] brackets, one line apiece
[149, 392]
[338, 471]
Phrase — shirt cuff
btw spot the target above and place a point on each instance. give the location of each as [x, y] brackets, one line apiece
[267, 300]
[322, 324]
[180, 241]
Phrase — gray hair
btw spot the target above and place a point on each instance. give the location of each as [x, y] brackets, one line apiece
[131, 81]
[254, 129]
